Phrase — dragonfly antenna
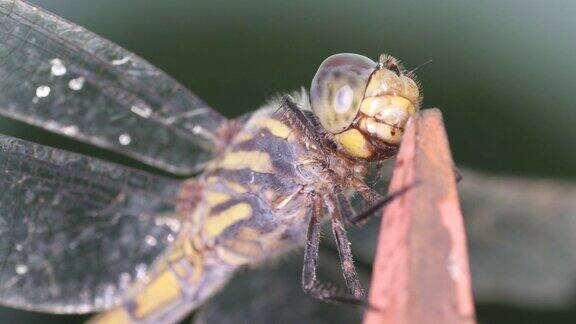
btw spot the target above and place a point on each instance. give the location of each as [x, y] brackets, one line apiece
[421, 65]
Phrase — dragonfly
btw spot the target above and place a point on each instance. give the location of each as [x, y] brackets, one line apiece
[79, 234]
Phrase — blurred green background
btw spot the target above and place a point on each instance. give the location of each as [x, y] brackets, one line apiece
[503, 72]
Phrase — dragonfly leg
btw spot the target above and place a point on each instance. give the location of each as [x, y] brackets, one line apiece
[297, 120]
[363, 217]
[346, 259]
[370, 195]
[310, 283]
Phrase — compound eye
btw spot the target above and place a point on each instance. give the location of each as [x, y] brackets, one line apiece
[338, 88]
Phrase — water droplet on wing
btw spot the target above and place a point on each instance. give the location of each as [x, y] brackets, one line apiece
[58, 67]
[124, 139]
[42, 91]
[76, 84]
[21, 269]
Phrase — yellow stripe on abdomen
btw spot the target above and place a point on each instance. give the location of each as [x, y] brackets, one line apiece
[214, 225]
[118, 315]
[214, 198]
[163, 290]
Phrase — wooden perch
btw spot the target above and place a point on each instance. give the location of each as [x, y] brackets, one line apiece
[421, 272]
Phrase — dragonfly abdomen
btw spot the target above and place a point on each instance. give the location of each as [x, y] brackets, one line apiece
[179, 283]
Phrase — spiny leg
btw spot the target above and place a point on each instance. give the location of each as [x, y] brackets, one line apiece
[367, 193]
[367, 214]
[309, 271]
[310, 282]
[297, 120]
[346, 260]
[345, 207]
[379, 171]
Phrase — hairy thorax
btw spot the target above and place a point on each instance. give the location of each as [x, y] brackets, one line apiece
[254, 200]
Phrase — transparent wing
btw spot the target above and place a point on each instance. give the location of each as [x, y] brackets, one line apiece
[61, 77]
[75, 232]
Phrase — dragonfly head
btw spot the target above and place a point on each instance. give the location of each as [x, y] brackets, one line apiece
[364, 104]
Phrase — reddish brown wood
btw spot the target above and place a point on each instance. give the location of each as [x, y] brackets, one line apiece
[421, 272]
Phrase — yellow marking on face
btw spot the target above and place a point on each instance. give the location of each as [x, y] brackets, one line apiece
[214, 198]
[236, 187]
[410, 89]
[354, 142]
[214, 225]
[372, 106]
[276, 127]
[160, 291]
[383, 82]
[256, 161]
[391, 110]
[385, 132]
[117, 315]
